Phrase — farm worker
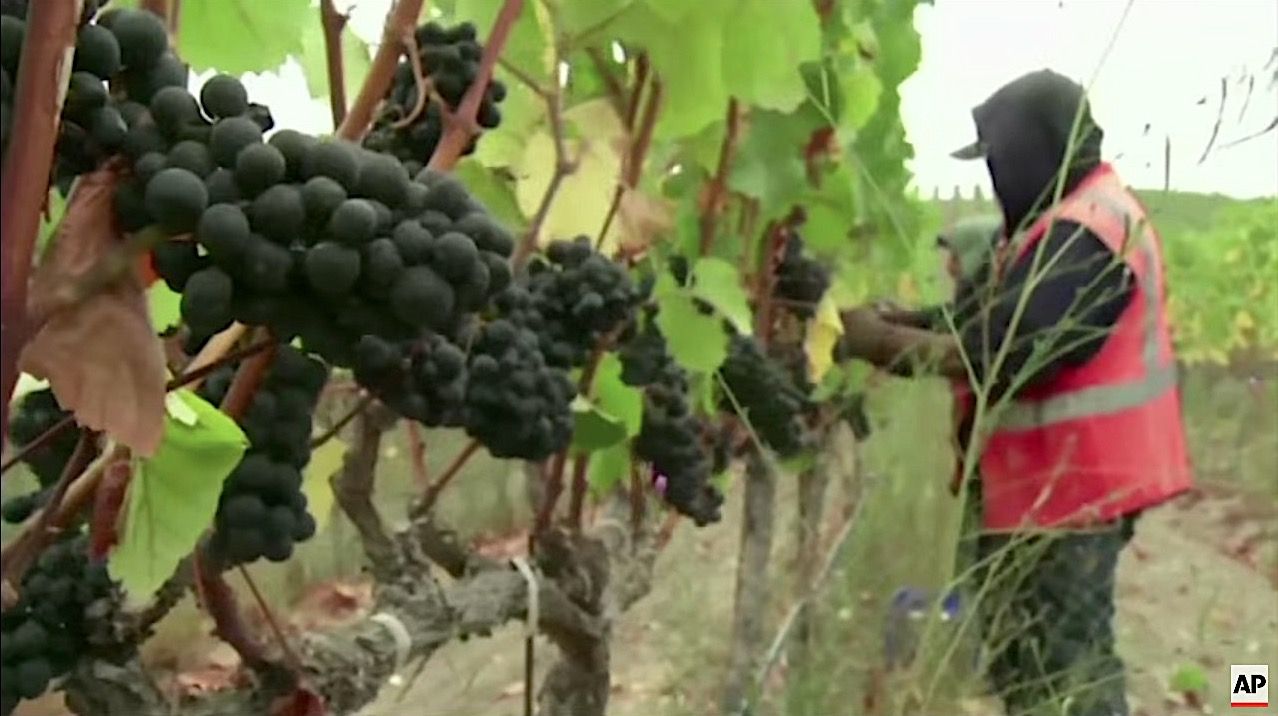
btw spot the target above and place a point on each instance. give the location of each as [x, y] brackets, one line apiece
[1065, 332]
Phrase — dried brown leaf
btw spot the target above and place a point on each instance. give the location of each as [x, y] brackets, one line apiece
[644, 220]
[99, 353]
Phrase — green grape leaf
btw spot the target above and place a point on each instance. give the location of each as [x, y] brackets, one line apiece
[764, 43]
[593, 428]
[493, 190]
[578, 16]
[608, 467]
[861, 89]
[526, 47]
[164, 306]
[831, 212]
[357, 59]
[174, 493]
[49, 226]
[238, 36]
[615, 397]
[522, 112]
[718, 283]
[696, 340]
[769, 163]
[684, 42]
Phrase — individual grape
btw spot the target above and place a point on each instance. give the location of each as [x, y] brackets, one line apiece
[193, 157]
[420, 297]
[176, 198]
[230, 136]
[257, 167]
[354, 221]
[142, 37]
[206, 300]
[336, 160]
[174, 108]
[278, 213]
[224, 96]
[332, 269]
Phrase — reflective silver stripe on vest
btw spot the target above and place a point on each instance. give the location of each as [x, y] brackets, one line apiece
[1116, 397]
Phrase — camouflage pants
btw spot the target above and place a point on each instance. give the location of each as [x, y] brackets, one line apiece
[1046, 609]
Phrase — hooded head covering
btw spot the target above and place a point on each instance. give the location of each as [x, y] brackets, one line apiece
[1023, 131]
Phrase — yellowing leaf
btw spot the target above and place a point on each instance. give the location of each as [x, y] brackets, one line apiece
[1243, 321]
[823, 332]
[583, 198]
[174, 494]
[325, 461]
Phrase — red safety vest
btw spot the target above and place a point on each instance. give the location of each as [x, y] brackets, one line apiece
[1103, 439]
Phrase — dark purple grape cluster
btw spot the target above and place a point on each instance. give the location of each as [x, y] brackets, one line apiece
[801, 280]
[410, 127]
[681, 447]
[574, 296]
[423, 380]
[321, 240]
[516, 404]
[36, 413]
[58, 618]
[765, 394]
[262, 509]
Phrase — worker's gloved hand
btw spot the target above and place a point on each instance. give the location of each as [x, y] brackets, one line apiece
[863, 330]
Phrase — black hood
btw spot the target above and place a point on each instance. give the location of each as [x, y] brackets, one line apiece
[1024, 129]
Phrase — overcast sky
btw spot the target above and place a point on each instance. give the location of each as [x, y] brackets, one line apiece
[1167, 57]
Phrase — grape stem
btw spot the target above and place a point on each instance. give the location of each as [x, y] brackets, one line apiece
[417, 453]
[432, 493]
[191, 376]
[334, 23]
[616, 92]
[459, 131]
[577, 499]
[220, 603]
[717, 191]
[425, 85]
[631, 111]
[290, 655]
[40, 89]
[360, 406]
[402, 18]
[563, 165]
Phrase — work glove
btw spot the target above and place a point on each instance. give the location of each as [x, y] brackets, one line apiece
[898, 348]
